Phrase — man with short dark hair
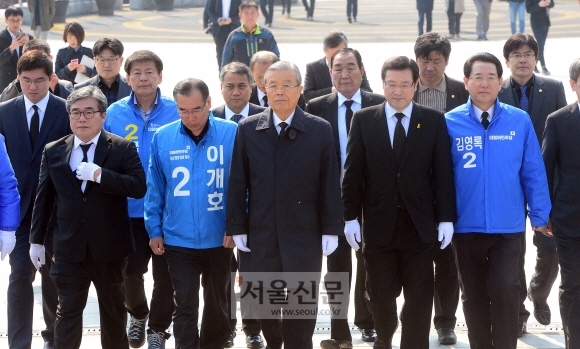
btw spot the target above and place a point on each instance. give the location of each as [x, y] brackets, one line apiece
[438, 91]
[88, 176]
[28, 122]
[11, 41]
[337, 108]
[108, 55]
[318, 80]
[136, 118]
[398, 173]
[496, 163]
[224, 18]
[59, 88]
[538, 96]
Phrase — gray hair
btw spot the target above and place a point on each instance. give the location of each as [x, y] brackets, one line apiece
[236, 68]
[87, 92]
[284, 65]
[263, 57]
[575, 69]
[187, 86]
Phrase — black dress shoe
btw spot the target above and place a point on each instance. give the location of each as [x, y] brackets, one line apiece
[335, 344]
[368, 334]
[542, 313]
[522, 328]
[379, 344]
[254, 342]
[230, 341]
[446, 336]
[48, 345]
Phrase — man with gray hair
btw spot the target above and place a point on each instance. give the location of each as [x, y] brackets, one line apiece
[88, 175]
[283, 205]
[560, 152]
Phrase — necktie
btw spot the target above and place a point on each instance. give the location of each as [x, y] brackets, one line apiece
[348, 115]
[283, 126]
[524, 101]
[85, 149]
[265, 99]
[34, 127]
[484, 120]
[399, 138]
[236, 118]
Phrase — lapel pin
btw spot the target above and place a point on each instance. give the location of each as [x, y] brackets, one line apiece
[452, 96]
[540, 90]
[418, 125]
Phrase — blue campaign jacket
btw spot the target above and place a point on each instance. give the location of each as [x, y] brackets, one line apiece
[9, 197]
[497, 171]
[124, 120]
[186, 185]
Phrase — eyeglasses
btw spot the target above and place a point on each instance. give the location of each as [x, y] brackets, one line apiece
[195, 111]
[526, 55]
[403, 87]
[15, 20]
[107, 60]
[37, 82]
[88, 114]
[273, 88]
[480, 79]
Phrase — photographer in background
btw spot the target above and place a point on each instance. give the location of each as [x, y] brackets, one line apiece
[11, 41]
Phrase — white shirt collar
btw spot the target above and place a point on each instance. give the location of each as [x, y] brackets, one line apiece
[478, 112]
[356, 98]
[229, 113]
[390, 111]
[277, 120]
[78, 142]
[41, 104]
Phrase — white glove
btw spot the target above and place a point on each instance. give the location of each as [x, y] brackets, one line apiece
[86, 171]
[352, 233]
[37, 255]
[329, 244]
[241, 242]
[445, 233]
[7, 242]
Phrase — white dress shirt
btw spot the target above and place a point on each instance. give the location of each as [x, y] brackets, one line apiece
[30, 111]
[478, 112]
[244, 113]
[392, 119]
[76, 156]
[260, 97]
[342, 135]
[277, 121]
[226, 8]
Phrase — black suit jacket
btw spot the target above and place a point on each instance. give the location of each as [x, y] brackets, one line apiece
[294, 192]
[8, 60]
[98, 219]
[220, 112]
[254, 98]
[215, 12]
[455, 92]
[24, 159]
[547, 96]
[326, 107]
[317, 81]
[561, 150]
[423, 181]
[63, 58]
[124, 88]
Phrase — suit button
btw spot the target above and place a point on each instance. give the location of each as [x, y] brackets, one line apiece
[396, 198]
[231, 220]
[339, 220]
[84, 199]
[83, 220]
[398, 175]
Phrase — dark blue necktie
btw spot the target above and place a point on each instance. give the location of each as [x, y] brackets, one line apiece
[236, 118]
[524, 101]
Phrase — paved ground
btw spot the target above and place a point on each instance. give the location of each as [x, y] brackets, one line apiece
[186, 52]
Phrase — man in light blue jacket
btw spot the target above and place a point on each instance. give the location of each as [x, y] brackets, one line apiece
[9, 203]
[498, 166]
[185, 213]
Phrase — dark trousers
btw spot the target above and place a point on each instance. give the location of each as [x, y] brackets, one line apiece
[351, 7]
[72, 281]
[446, 296]
[341, 261]
[287, 4]
[20, 293]
[454, 19]
[186, 265]
[545, 273]
[309, 8]
[162, 297]
[488, 269]
[540, 31]
[429, 17]
[569, 258]
[251, 327]
[220, 40]
[267, 7]
[294, 333]
[407, 263]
